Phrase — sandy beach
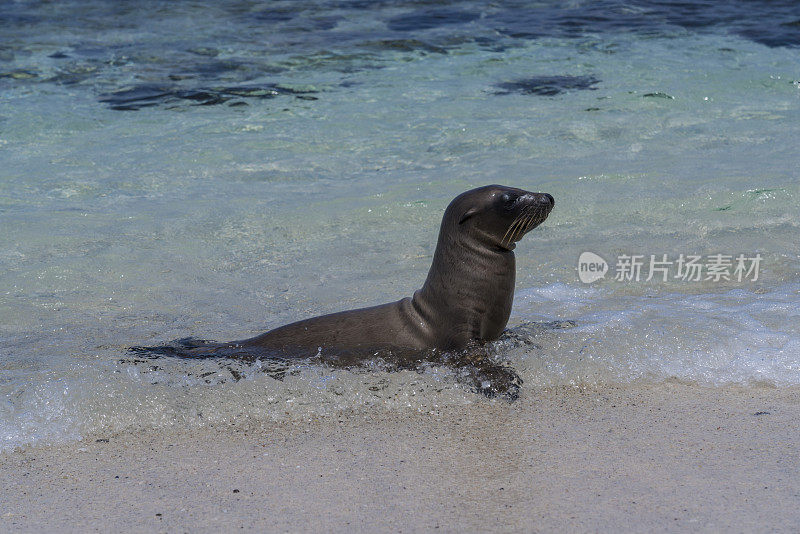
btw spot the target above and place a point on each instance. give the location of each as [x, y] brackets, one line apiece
[669, 457]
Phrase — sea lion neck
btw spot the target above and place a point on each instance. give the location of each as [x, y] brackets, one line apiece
[467, 266]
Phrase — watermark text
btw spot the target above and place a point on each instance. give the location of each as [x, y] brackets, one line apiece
[665, 267]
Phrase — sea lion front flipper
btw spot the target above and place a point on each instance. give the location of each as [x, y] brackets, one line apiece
[477, 369]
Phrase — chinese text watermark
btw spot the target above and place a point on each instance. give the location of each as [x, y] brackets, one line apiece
[663, 267]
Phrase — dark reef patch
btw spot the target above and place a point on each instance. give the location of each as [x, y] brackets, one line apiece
[404, 45]
[773, 23]
[786, 34]
[658, 94]
[548, 85]
[425, 19]
[274, 15]
[144, 96]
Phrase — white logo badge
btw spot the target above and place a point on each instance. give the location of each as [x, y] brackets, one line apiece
[591, 267]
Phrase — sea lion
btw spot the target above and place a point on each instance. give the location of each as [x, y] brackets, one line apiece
[465, 300]
[467, 296]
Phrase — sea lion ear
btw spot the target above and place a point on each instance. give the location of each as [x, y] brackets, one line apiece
[467, 214]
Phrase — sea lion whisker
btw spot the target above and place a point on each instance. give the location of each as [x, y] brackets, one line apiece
[516, 228]
[513, 225]
[510, 226]
[513, 229]
[534, 219]
[523, 227]
[538, 216]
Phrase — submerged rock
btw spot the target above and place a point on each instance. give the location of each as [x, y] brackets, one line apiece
[548, 85]
[147, 95]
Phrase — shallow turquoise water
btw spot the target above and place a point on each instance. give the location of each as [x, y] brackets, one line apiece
[270, 172]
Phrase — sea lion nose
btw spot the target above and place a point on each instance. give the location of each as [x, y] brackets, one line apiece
[546, 197]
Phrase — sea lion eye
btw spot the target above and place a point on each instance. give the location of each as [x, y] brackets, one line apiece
[507, 199]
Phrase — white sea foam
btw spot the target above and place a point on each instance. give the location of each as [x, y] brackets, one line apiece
[731, 337]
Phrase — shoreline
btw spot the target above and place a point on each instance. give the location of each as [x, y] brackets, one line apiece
[632, 458]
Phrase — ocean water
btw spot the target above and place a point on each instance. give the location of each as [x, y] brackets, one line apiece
[216, 169]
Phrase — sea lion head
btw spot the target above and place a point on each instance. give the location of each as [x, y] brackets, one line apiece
[498, 214]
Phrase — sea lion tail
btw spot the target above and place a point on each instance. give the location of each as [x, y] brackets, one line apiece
[188, 347]
[229, 356]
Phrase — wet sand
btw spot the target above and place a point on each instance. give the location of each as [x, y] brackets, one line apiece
[668, 457]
